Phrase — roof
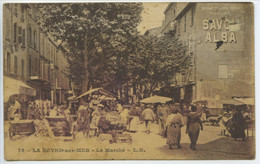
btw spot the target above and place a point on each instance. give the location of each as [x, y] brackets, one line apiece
[168, 7]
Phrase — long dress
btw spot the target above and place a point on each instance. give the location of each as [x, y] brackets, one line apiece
[83, 121]
[134, 124]
[238, 126]
[174, 124]
[193, 127]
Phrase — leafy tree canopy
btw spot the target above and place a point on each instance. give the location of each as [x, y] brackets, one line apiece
[98, 35]
[105, 48]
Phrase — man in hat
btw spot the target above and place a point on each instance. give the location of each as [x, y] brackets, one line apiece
[148, 116]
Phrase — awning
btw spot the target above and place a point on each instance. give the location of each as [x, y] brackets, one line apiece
[16, 87]
[212, 103]
[231, 102]
[104, 98]
[99, 91]
[247, 101]
[71, 98]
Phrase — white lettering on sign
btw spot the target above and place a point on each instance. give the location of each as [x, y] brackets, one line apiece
[213, 24]
[225, 37]
[212, 27]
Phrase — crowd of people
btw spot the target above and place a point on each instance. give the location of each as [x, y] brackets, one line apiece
[93, 113]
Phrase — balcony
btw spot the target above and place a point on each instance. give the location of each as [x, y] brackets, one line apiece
[38, 78]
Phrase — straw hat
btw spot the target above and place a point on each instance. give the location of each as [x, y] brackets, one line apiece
[100, 105]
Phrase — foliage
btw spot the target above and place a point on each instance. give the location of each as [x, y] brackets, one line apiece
[157, 60]
[105, 49]
[98, 36]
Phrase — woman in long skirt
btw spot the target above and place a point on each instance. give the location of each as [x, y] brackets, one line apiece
[173, 125]
[193, 127]
[238, 125]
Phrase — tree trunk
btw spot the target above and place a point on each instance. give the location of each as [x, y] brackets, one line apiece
[86, 73]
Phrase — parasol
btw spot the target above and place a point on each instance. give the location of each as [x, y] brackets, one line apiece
[156, 99]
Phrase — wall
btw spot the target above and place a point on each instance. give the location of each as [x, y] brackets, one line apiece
[227, 71]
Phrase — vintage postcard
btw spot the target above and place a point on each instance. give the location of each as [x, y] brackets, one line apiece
[102, 81]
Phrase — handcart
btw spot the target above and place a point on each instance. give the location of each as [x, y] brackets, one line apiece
[20, 127]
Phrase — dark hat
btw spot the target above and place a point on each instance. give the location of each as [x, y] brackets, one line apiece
[193, 108]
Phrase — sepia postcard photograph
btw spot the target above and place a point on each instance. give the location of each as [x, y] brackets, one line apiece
[128, 81]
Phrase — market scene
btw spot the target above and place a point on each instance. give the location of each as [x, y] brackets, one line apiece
[95, 81]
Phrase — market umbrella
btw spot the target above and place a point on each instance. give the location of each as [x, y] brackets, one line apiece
[156, 99]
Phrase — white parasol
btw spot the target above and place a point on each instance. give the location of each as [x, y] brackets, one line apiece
[156, 99]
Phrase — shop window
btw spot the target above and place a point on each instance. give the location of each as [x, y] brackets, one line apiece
[222, 71]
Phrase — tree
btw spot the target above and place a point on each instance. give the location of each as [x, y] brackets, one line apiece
[99, 38]
[157, 60]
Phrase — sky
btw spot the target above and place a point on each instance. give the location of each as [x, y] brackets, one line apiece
[152, 15]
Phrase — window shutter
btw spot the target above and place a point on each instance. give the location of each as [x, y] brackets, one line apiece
[23, 38]
[20, 35]
[15, 32]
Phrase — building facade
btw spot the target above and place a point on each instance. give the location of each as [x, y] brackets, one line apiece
[32, 56]
[220, 41]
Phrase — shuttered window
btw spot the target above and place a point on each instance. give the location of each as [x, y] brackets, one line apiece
[15, 32]
[23, 38]
[20, 37]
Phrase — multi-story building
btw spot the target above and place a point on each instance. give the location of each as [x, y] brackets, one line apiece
[220, 41]
[32, 56]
